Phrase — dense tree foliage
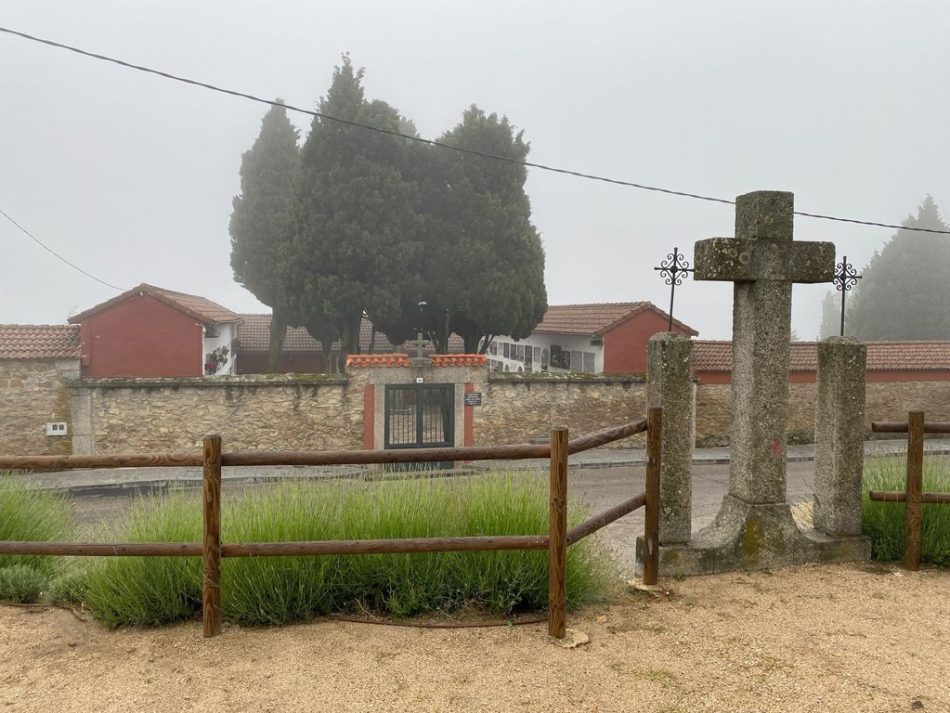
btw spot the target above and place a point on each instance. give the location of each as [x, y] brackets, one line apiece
[260, 220]
[356, 231]
[830, 315]
[904, 293]
[410, 235]
[483, 271]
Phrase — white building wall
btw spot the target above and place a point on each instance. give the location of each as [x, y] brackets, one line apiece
[571, 342]
[226, 335]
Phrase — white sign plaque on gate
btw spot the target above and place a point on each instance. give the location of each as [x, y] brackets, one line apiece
[418, 379]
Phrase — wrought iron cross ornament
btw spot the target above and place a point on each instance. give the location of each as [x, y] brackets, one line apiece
[846, 277]
[674, 269]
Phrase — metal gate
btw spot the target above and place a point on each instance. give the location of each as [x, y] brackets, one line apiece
[420, 416]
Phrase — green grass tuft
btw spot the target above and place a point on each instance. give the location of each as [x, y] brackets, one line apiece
[279, 590]
[884, 522]
[21, 583]
[144, 590]
[30, 515]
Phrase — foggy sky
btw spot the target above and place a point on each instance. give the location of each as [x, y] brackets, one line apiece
[131, 176]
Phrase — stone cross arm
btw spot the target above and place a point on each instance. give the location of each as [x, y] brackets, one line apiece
[749, 260]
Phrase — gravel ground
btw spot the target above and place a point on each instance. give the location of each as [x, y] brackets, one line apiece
[819, 638]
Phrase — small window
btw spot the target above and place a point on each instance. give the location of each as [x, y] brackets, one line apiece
[589, 362]
[506, 350]
[555, 356]
[565, 359]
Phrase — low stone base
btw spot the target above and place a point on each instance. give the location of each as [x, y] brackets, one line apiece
[745, 536]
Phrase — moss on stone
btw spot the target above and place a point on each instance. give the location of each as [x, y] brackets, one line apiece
[752, 540]
[573, 377]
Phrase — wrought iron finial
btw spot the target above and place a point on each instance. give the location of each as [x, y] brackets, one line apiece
[845, 278]
[673, 270]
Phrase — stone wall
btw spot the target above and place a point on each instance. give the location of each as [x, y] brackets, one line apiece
[885, 401]
[522, 408]
[33, 393]
[249, 412]
[326, 412]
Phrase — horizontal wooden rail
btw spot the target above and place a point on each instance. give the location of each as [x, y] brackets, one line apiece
[97, 549]
[406, 455]
[279, 549]
[901, 427]
[297, 458]
[593, 524]
[899, 496]
[158, 460]
[595, 440]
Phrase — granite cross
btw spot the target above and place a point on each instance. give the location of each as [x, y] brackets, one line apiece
[763, 261]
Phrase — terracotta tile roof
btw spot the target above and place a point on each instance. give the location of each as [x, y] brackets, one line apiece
[254, 336]
[459, 360]
[369, 360]
[201, 308]
[39, 341]
[709, 356]
[596, 319]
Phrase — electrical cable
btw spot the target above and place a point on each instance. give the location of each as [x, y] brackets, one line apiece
[56, 254]
[430, 142]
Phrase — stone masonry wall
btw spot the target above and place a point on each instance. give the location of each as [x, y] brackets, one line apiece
[520, 408]
[326, 412]
[32, 393]
[249, 412]
[885, 401]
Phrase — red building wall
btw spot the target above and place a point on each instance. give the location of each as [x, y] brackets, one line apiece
[625, 346]
[141, 336]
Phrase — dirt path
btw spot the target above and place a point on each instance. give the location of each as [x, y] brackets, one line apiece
[834, 638]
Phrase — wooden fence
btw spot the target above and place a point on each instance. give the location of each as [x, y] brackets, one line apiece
[913, 496]
[211, 549]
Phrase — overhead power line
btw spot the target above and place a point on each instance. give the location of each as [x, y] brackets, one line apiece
[55, 254]
[430, 142]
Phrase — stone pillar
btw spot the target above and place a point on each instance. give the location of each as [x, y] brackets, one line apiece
[839, 436]
[670, 386]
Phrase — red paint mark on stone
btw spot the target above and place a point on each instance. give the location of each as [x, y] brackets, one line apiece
[776, 448]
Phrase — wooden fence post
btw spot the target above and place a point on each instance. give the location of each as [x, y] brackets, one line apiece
[651, 519]
[915, 486]
[557, 536]
[211, 548]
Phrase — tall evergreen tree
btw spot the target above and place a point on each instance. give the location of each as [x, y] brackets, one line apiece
[355, 245]
[260, 219]
[484, 264]
[830, 315]
[904, 293]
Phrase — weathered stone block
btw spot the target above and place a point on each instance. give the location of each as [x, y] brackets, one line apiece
[754, 536]
[670, 387]
[839, 432]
